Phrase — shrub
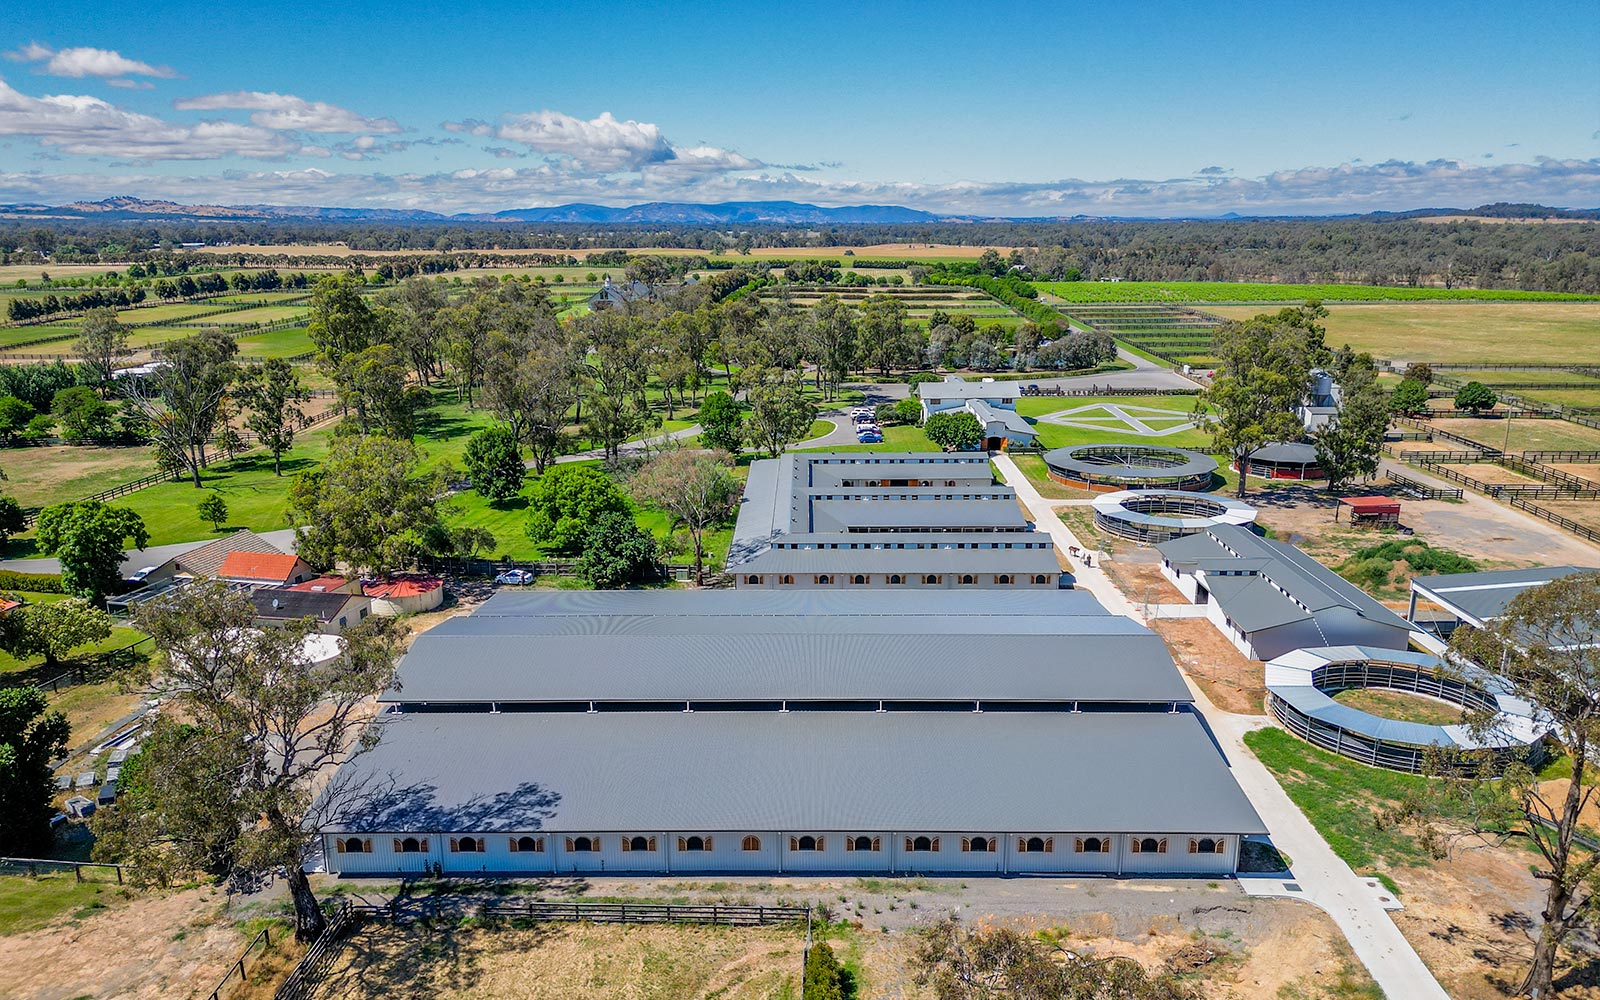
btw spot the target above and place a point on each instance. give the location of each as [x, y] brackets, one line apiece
[617, 552]
[824, 977]
[567, 501]
[38, 583]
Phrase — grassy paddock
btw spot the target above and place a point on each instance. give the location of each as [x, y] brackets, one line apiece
[1462, 332]
[28, 903]
[1239, 291]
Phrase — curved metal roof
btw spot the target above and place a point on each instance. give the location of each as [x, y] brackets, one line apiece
[1124, 461]
[1231, 512]
[1286, 453]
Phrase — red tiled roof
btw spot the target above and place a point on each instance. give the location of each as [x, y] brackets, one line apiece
[322, 583]
[1371, 503]
[6, 604]
[257, 566]
[401, 586]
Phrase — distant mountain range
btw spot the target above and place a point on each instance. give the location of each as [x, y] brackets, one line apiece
[732, 213]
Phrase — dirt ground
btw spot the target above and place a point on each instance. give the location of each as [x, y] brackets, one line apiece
[1581, 470]
[1486, 472]
[1232, 682]
[1405, 447]
[1585, 512]
[1137, 572]
[154, 946]
[1236, 946]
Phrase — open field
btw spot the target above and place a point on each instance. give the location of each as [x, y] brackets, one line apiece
[1489, 332]
[1516, 435]
[258, 314]
[277, 344]
[49, 474]
[1494, 378]
[1096, 419]
[1231, 291]
[897, 251]
[570, 962]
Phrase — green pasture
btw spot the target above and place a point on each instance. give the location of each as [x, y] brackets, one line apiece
[276, 344]
[259, 314]
[24, 334]
[1238, 291]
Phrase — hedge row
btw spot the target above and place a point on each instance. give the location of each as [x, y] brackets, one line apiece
[39, 583]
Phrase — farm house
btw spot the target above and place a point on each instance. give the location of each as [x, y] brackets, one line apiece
[830, 732]
[994, 404]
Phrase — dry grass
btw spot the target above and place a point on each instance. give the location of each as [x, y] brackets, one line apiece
[1490, 332]
[41, 476]
[1400, 706]
[1581, 470]
[1523, 435]
[567, 961]
[788, 253]
[1585, 512]
[1486, 472]
[1232, 682]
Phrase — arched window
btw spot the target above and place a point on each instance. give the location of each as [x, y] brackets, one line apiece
[896, 578]
[978, 845]
[806, 843]
[858, 578]
[1094, 845]
[410, 845]
[1041, 578]
[930, 579]
[640, 844]
[752, 578]
[1003, 578]
[1037, 845]
[967, 578]
[467, 845]
[923, 844]
[582, 844]
[1150, 845]
[531, 844]
[863, 843]
[1205, 845]
[694, 844]
[786, 578]
[750, 843]
[355, 845]
[824, 580]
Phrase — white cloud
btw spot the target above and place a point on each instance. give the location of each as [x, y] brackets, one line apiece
[83, 61]
[89, 126]
[605, 145]
[126, 84]
[285, 112]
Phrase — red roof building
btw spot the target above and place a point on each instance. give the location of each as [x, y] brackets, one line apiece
[274, 568]
[1370, 510]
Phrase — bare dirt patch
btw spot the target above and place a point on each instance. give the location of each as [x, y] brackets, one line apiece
[1401, 706]
[1585, 512]
[1486, 472]
[1137, 573]
[1233, 682]
[146, 946]
[1403, 448]
[1582, 470]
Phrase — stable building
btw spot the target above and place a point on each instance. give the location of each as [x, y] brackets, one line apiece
[673, 732]
[1474, 599]
[1269, 598]
[885, 520]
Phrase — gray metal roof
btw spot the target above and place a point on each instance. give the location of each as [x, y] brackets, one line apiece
[969, 390]
[864, 515]
[927, 539]
[1130, 461]
[1016, 561]
[1098, 662]
[1012, 420]
[830, 474]
[1315, 587]
[800, 771]
[1286, 452]
[1479, 597]
[993, 609]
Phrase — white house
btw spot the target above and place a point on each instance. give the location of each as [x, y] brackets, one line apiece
[993, 403]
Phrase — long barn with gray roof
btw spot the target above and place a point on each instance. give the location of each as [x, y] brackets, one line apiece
[754, 731]
[866, 520]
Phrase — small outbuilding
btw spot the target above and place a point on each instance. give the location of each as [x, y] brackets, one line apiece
[1370, 510]
[1294, 460]
[405, 594]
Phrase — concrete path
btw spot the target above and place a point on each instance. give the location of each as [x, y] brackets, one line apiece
[1358, 906]
[155, 555]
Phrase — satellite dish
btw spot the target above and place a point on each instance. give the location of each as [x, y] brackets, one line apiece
[274, 603]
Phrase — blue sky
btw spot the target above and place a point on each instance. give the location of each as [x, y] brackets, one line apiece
[1140, 109]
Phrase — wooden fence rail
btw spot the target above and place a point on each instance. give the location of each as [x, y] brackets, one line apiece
[236, 971]
[1421, 490]
[34, 867]
[1581, 530]
[1506, 490]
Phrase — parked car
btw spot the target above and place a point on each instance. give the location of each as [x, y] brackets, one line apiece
[139, 575]
[869, 435]
[515, 577]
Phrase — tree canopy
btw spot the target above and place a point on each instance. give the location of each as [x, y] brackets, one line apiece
[89, 537]
[954, 430]
[368, 505]
[566, 501]
[30, 737]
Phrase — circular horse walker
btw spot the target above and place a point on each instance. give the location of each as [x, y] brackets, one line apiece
[1128, 466]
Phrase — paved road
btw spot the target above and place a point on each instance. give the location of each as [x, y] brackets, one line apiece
[155, 555]
[630, 448]
[1357, 905]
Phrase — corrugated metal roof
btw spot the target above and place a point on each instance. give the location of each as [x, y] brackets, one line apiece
[905, 561]
[1096, 660]
[1012, 420]
[1484, 596]
[864, 515]
[994, 609]
[800, 771]
[1286, 452]
[968, 390]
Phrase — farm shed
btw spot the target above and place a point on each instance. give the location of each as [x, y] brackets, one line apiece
[880, 520]
[404, 594]
[1370, 510]
[1285, 460]
[1269, 598]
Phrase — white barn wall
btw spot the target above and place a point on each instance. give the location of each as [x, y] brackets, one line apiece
[775, 856]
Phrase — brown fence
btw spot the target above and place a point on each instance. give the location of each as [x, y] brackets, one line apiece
[1546, 474]
[1581, 530]
[236, 971]
[1507, 490]
[34, 867]
[1562, 456]
[1412, 487]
